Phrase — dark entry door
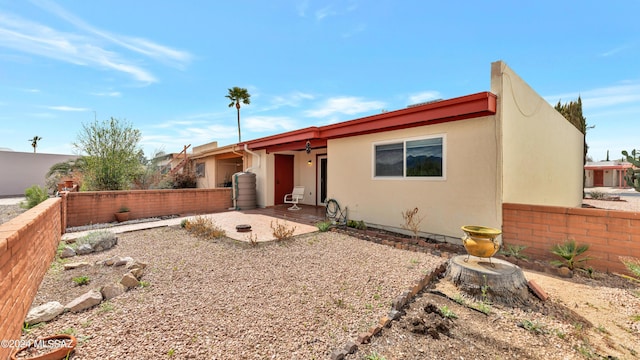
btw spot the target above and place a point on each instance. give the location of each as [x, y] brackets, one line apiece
[283, 177]
[598, 178]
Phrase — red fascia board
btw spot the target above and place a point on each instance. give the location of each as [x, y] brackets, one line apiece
[465, 107]
[298, 145]
[288, 137]
[614, 167]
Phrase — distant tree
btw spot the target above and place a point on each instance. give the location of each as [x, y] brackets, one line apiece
[607, 155]
[237, 95]
[111, 154]
[34, 142]
[572, 111]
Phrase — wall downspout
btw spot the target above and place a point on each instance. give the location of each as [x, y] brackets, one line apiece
[246, 148]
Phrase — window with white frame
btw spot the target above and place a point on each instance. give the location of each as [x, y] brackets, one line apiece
[411, 158]
[200, 169]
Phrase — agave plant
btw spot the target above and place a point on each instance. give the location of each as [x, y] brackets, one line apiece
[570, 251]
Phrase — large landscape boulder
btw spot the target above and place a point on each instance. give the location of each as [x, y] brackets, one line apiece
[112, 290]
[84, 301]
[44, 312]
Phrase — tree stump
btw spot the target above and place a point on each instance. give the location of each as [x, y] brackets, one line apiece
[497, 281]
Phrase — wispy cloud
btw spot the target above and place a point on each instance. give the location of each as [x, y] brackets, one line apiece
[302, 7]
[293, 99]
[615, 50]
[424, 96]
[267, 124]
[108, 94]
[624, 93]
[348, 105]
[31, 90]
[88, 47]
[66, 108]
[355, 30]
[324, 12]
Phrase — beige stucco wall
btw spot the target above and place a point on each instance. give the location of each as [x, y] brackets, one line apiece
[303, 175]
[468, 195]
[541, 151]
[208, 181]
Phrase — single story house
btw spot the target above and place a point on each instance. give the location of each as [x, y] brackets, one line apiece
[457, 160]
[606, 173]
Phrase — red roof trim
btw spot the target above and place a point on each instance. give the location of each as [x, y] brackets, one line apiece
[460, 108]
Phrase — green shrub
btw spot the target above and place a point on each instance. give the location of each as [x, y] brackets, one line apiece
[81, 280]
[35, 195]
[514, 251]
[324, 226]
[569, 252]
[95, 237]
[360, 225]
[204, 228]
[598, 195]
[632, 264]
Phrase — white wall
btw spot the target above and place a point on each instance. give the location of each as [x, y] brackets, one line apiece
[21, 170]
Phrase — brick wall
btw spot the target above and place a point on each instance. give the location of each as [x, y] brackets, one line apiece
[27, 246]
[609, 233]
[88, 207]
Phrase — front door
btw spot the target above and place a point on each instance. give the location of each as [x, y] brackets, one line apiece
[283, 177]
[322, 180]
[598, 178]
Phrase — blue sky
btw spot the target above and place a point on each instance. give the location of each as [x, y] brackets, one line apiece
[165, 66]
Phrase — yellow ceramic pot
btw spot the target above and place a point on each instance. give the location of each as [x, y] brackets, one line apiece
[481, 241]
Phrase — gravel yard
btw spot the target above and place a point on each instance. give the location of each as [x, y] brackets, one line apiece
[298, 299]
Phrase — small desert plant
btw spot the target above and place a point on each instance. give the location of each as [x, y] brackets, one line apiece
[632, 264]
[448, 313]
[323, 226]
[183, 223]
[204, 227]
[123, 209]
[282, 231]
[95, 237]
[569, 252]
[514, 251]
[597, 195]
[253, 240]
[144, 284]
[106, 306]
[81, 280]
[374, 356]
[533, 327]
[412, 221]
[35, 195]
[360, 225]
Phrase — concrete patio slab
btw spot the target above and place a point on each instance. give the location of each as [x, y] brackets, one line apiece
[260, 226]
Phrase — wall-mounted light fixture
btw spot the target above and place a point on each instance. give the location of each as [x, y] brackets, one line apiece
[307, 146]
[309, 163]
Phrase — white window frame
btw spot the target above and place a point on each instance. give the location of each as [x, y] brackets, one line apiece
[404, 176]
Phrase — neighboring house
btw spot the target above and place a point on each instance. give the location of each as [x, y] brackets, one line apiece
[172, 162]
[606, 173]
[21, 170]
[215, 166]
[457, 160]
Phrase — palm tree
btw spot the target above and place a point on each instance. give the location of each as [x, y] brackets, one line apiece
[236, 95]
[34, 142]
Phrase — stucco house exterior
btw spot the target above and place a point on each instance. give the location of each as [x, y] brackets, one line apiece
[458, 160]
[606, 173]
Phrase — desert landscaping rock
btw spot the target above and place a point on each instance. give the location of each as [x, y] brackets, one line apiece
[84, 249]
[85, 301]
[75, 265]
[129, 280]
[105, 243]
[44, 312]
[137, 272]
[111, 291]
[67, 252]
[123, 261]
[135, 264]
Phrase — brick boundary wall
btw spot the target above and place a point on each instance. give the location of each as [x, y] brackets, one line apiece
[87, 207]
[28, 244]
[609, 233]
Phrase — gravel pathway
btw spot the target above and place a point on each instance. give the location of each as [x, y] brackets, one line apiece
[298, 299]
